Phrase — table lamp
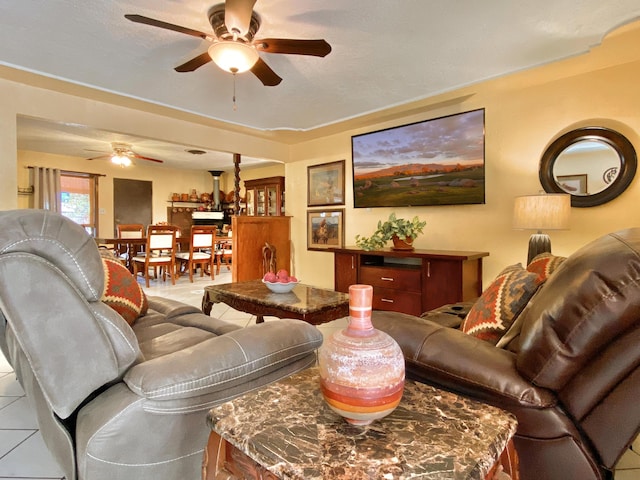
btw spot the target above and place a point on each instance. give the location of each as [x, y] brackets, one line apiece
[541, 212]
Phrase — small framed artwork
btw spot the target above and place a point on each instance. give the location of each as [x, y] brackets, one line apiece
[325, 184]
[325, 229]
[573, 184]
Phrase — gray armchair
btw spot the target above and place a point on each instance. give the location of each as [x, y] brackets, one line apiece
[116, 401]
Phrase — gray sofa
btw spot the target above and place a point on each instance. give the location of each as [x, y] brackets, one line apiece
[116, 401]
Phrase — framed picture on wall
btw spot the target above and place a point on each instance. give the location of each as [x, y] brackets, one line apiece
[325, 184]
[573, 184]
[325, 229]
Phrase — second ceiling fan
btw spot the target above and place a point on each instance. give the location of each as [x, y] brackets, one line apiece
[122, 155]
[233, 46]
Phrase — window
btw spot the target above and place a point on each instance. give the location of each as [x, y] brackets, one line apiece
[79, 199]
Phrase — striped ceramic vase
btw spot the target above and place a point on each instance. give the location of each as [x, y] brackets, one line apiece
[361, 368]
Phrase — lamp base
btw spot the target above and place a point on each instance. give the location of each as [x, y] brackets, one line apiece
[538, 243]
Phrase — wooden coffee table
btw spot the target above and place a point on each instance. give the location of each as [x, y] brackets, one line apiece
[311, 304]
[286, 430]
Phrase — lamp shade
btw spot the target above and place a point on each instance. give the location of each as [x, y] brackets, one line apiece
[233, 56]
[542, 212]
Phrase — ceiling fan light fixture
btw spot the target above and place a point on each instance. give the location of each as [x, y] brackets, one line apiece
[121, 160]
[233, 56]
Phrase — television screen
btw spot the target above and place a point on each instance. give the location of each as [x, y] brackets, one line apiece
[434, 162]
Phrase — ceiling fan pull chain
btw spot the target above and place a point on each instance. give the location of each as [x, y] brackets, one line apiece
[235, 107]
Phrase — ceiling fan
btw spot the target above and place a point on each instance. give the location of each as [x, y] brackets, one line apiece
[233, 46]
[121, 154]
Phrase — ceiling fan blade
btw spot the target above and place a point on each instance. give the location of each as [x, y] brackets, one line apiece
[268, 77]
[135, 155]
[99, 157]
[169, 26]
[237, 15]
[92, 150]
[194, 63]
[317, 48]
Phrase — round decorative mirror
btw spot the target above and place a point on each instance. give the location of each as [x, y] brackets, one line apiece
[593, 164]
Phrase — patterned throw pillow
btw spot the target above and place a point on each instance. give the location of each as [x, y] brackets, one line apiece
[501, 303]
[122, 292]
[544, 265]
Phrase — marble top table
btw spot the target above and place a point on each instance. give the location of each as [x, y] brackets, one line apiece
[286, 430]
[304, 302]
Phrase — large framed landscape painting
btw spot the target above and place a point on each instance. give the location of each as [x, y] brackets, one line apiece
[434, 162]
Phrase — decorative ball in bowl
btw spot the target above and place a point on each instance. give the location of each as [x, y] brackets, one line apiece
[280, 282]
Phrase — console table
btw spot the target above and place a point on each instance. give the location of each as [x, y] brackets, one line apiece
[411, 281]
[286, 430]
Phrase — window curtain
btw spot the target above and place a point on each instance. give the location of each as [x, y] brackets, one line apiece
[46, 189]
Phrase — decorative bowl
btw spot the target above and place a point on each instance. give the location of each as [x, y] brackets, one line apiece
[279, 287]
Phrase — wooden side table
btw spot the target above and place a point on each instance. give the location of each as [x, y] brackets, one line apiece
[286, 430]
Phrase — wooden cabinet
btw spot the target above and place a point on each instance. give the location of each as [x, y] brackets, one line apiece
[265, 197]
[346, 271]
[413, 281]
[249, 236]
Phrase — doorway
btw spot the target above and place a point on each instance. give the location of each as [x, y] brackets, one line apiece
[132, 201]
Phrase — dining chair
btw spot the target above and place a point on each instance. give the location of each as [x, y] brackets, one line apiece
[201, 248]
[130, 230]
[160, 253]
[126, 252]
[224, 252]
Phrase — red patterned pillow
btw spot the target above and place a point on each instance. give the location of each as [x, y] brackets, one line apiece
[544, 265]
[501, 303]
[122, 292]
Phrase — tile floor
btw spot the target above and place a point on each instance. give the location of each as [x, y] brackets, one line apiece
[23, 454]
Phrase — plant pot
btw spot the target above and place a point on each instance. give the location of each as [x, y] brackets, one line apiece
[406, 244]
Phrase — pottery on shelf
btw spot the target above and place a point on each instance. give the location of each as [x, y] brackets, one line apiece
[361, 368]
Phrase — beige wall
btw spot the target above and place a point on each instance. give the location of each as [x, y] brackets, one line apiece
[25, 99]
[524, 113]
[164, 182]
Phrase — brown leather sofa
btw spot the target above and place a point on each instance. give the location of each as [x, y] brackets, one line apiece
[571, 374]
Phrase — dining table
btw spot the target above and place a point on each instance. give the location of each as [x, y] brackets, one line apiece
[132, 246]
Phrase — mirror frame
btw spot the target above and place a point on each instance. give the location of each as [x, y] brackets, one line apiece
[617, 141]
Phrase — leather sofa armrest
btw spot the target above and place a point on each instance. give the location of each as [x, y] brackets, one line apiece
[170, 308]
[449, 358]
[451, 315]
[225, 361]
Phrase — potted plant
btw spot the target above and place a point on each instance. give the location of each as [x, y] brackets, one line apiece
[402, 231]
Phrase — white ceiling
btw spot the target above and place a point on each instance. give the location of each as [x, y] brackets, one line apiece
[384, 53]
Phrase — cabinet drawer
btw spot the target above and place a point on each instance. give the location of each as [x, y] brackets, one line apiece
[397, 301]
[390, 277]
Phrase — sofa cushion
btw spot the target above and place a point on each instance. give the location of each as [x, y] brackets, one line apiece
[122, 292]
[205, 364]
[544, 265]
[501, 303]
